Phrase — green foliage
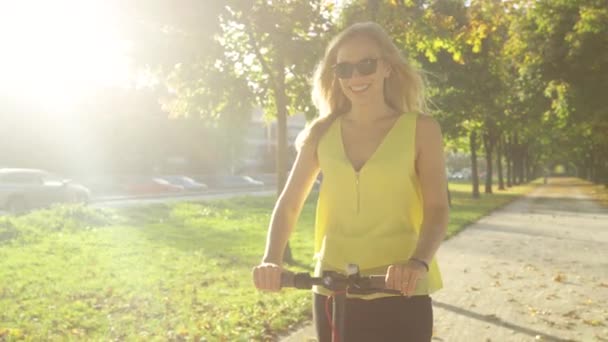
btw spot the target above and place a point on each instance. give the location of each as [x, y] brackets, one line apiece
[535, 69]
[562, 44]
[502, 67]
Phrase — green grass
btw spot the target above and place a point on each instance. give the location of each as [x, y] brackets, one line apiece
[161, 272]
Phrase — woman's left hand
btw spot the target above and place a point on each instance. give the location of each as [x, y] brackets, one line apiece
[404, 277]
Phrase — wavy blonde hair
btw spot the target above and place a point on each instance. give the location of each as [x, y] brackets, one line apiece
[404, 89]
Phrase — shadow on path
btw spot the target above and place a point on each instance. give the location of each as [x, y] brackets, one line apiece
[497, 321]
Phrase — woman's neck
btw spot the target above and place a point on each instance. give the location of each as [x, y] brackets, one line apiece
[369, 113]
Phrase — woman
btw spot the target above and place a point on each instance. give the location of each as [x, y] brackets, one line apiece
[383, 201]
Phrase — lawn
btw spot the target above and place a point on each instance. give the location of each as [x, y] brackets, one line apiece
[176, 272]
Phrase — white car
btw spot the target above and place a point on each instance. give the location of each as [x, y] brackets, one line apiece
[187, 183]
[25, 189]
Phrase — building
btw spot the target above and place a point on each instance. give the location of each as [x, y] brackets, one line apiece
[261, 141]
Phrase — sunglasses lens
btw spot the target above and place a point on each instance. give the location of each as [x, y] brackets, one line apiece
[367, 66]
[344, 70]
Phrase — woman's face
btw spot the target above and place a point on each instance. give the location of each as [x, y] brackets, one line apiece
[361, 70]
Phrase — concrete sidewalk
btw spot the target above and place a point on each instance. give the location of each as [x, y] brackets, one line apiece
[536, 270]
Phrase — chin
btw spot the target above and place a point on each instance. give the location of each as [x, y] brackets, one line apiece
[364, 97]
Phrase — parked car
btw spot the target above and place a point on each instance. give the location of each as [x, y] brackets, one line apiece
[229, 181]
[252, 181]
[25, 189]
[269, 179]
[456, 176]
[151, 186]
[187, 183]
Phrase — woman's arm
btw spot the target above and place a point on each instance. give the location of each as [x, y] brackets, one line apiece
[290, 202]
[430, 167]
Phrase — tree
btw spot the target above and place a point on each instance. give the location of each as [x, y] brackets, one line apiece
[276, 48]
[562, 45]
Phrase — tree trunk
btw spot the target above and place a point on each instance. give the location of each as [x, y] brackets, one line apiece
[499, 147]
[488, 146]
[516, 161]
[522, 164]
[589, 167]
[526, 163]
[508, 157]
[474, 175]
[531, 166]
[281, 158]
[596, 173]
[604, 166]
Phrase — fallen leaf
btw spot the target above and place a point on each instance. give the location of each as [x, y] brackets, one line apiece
[551, 323]
[588, 302]
[571, 314]
[569, 326]
[594, 322]
[559, 278]
[532, 311]
[492, 317]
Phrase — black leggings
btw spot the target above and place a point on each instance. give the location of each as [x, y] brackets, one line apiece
[384, 319]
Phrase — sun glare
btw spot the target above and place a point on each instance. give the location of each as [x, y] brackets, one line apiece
[53, 52]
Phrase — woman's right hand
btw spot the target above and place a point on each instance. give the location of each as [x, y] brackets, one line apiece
[267, 277]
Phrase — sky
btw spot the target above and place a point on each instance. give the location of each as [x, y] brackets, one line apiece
[54, 52]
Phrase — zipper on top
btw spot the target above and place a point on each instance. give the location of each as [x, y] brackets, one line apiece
[358, 192]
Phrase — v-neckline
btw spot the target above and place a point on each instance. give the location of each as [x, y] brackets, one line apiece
[378, 148]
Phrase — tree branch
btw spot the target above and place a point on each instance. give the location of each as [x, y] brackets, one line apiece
[258, 53]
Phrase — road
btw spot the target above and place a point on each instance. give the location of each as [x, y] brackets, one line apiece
[536, 270]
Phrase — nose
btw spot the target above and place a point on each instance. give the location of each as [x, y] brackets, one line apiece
[356, 74]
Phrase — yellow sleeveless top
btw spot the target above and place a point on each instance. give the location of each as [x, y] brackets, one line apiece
[372, 217]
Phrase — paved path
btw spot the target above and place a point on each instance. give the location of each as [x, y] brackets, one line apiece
[536, 270]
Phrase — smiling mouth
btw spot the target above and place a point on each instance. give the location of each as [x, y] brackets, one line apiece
[360, 88]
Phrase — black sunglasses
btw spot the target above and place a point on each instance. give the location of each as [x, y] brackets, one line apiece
[364, 67]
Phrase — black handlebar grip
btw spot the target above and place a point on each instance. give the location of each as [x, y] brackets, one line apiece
[287, 279]
[377, 281]
[297, 280]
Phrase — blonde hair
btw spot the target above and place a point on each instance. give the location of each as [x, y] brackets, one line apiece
[403, 89]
